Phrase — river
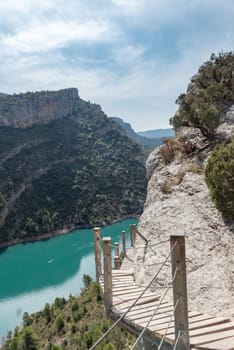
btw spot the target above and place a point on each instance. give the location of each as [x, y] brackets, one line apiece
[33, 274]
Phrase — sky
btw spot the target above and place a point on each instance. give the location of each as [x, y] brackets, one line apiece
[133, 57]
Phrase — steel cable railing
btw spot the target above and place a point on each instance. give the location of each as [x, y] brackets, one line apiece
[154, 313]
[134, 303]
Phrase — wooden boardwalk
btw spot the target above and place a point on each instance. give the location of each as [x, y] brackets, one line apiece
[157, 324]
[206, 332]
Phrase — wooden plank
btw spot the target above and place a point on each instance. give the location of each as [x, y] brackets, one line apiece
[203, 339]
[138, 310]
[200, 323]
[150, 304]
[159, 323]
[127, 291]
[122, 272]
[212, 329]
[225, 344]
[122, 277]
[143, 318]
[122, 281]
[131, 297]
[127, 304]
[126, 288]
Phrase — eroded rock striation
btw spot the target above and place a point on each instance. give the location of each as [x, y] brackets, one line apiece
[178, 200]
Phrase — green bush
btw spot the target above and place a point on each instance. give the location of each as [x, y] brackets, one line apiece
[219, 175]
[212, 92]
[86, 280]
[59, 323]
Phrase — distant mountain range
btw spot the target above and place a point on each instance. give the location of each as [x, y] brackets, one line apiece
[149, 138]
[157, 133]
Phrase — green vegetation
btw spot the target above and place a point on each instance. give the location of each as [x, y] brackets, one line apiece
[210, 93]
[73, 324]
[219, 174]
[76, 171]
[176, 148]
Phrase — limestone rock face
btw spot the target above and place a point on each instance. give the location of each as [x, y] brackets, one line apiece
[178, 200]
[27, 109]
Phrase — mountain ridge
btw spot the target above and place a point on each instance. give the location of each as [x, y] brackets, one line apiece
[145, 141]
[52, 168]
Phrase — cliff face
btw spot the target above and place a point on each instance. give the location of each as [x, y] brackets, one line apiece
[66, 166]
[178, 200]
[24, 110]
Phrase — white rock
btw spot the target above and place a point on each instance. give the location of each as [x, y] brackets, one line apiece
[209, 240]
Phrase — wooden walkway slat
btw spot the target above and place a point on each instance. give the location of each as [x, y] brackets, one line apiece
[204, 339]
[206, 332]
[225, 344]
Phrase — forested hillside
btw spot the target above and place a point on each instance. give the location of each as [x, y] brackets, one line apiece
[73, 324]
[64, 171]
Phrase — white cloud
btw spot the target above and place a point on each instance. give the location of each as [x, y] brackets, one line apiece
[54, 34]
[112, 65]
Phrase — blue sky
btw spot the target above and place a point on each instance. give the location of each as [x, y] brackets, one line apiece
[133, 57]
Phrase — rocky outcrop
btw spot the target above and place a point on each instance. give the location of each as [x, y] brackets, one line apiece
[27, 109]
[178, 200]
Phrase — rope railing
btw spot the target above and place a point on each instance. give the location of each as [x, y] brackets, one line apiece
[115, 324]
[154, 313]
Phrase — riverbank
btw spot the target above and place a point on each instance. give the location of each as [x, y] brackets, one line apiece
[64, 231]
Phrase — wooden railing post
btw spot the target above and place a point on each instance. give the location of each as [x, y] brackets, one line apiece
[132, 235]
[124, 243]
[180, 291]
[108, 297]
[97, 252]
[117, 257]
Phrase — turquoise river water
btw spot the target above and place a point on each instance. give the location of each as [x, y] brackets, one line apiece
[33, 274]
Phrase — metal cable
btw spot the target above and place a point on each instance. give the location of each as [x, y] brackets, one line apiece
[177, 339]
[133, 304]
[154, 313]
[148, 245]
[142, 265]
[165, 333]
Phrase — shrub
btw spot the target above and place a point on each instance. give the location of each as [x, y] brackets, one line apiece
[59, 323]
[47, 312]
[176, 147]
[168, 149]
[220, 180]
[87, 280]
[29, 339]
[194, 168]
[211, 93]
